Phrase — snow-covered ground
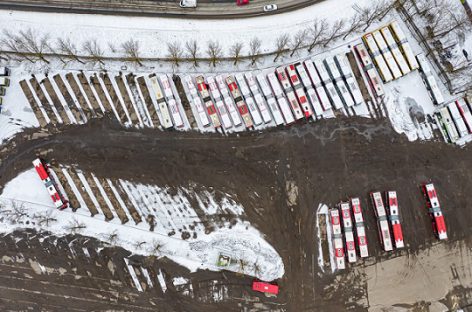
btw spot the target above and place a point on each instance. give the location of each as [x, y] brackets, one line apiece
[242, 242]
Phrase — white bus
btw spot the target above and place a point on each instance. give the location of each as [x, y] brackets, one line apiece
[338, 81]
[404, 45]
[320, 89]
[166, 121]
[360, 227]
[345, 68]
[215, 93]
[251, 81]
[397, 54]
[461, 126]
[251, 105]
[448, 124]
[387, 54]
[378, 58]
[173, 107]
[381, 214]
[271, 102]
[279, 94]
[233, 112]
[348, 232]
[324, 76]
[337, 239]
[430, 80]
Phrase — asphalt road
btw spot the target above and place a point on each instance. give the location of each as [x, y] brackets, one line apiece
[208, 9]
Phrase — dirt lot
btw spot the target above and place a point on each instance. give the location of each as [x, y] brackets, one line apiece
[327, 162]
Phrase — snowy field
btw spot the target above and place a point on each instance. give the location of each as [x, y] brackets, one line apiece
[242, 242]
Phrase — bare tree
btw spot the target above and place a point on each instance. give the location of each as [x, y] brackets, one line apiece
[298, 40]
[192, 51]
[354, 24]
[69, 49]
[366, 14]
[15, 211]
[235, 52]
[94, 51]
[112, 237]
[334, 32]
[255, 50]
[111, 47]
[132, 51]
[27, 45]
[75, 226]
[281, 46]
[139, 245]
[316, 33]
[214, 52]
[175, 52]
[156, 247]
[45, 218]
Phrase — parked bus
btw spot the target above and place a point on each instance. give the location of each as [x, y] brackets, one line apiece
[431, 83]
[310, 92]
[42, 170]
[251, 105]
[271, 101]
[387, 54]
[380, 213]
[233, 112]
[251, 81]
[299, 91]
[466, 114]
[348, 232]
[345, 69]
[238, 99]
[215, 93]
[435, 212]
[337, 239]
[404, 45]
[448, 123]
[325, 78]
[172, 103]
[197, 102]
[279, 95]
[397, 54]
[319, 88]
[458, 120]
[205, 95]
[378, 58]
[166, 121]
[360, 227]
[338, 81]
[394, 217]
[286, 86]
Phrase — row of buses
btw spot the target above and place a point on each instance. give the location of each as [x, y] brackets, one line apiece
[455, 120]
[354, 232]
[391, 52]
[301, 91]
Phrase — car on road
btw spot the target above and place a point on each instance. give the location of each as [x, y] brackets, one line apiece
[242, 2]
[270, 7]
[188, 3]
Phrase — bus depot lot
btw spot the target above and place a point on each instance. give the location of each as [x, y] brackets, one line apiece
[326, 161]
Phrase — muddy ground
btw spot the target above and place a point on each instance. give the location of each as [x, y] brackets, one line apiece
[327, 161]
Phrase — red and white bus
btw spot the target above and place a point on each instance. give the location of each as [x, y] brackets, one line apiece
[348, 232]
[465, 113]
[43, 171]
[233, 112]
[395, 219]
[434, 209]
[360, 227]
[265, 287]
[381, 214]
[337, 239]
[197, 102]
[238, 99]
[251, 104]
[286, 86]
[280, 96]
[461, 126]
[316, 80]
[215, 92]
[211, 110]
[311, 93]
[375, 82]
[271, 101]
[299, 91]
